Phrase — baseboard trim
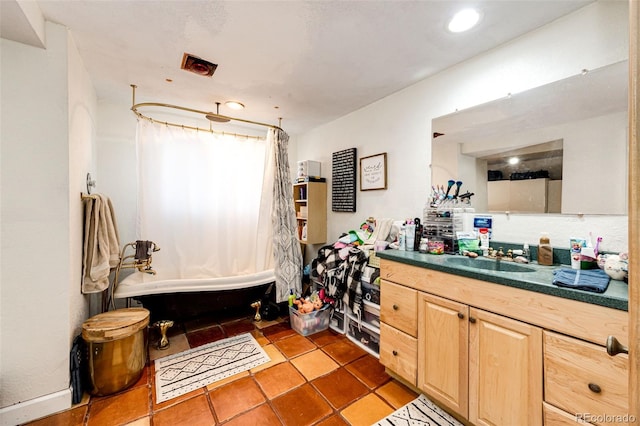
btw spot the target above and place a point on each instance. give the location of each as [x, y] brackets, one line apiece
[36, 408]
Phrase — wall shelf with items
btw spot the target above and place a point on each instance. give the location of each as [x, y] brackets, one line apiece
[310, 201]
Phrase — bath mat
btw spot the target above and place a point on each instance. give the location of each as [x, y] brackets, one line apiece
[420, 411]
[183, 372]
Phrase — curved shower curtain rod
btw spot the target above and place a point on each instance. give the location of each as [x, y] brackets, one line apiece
[209, 115]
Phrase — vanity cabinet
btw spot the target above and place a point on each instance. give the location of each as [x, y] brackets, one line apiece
[495, 354]
[473, 361]
[310, 202]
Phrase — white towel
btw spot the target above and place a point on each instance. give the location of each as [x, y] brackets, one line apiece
[380, 233]
[101, 244]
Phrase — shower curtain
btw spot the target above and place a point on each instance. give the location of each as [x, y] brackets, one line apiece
[287, 250]
[210, 202]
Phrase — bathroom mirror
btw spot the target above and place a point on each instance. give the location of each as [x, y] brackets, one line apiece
[570, 139]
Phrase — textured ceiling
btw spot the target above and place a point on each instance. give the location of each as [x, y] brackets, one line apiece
[308, 62]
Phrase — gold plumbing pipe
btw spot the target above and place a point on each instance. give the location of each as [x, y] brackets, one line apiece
[136, 106]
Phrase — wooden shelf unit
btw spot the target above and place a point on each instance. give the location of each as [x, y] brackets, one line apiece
[310, 201]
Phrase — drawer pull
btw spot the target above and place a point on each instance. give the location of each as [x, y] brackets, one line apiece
[614, 347]
[460, 315]
[472, 320]
[395, 307]
[594, 388]
[395, 353]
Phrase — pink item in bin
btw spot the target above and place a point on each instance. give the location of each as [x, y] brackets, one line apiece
[435, 246]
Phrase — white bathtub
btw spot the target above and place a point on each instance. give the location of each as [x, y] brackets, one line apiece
[142, 284]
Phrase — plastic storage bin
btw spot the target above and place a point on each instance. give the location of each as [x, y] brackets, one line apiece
[313, 322]
[338, 321]
[370, 292]
[372, 314]
[364, 335]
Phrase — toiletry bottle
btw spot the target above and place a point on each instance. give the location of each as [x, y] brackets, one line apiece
[526, 252]
[418, 234]
[409, 235]
[545, 251]
[484, 241]
[401, 238]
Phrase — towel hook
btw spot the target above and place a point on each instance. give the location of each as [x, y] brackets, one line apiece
[90, 183]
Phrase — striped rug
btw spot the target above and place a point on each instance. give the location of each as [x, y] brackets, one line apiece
[421, 411]
[183, 372]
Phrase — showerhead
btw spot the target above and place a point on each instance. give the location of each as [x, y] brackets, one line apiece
[217, 117]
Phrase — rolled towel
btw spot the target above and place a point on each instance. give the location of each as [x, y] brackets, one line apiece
[594, 280]
[143, 250]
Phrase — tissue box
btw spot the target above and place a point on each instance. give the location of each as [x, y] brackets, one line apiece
[308, 168]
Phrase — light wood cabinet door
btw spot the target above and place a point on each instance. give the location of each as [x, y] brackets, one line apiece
[505, 371]
[443, 339]
[399, 352]
[398, 307]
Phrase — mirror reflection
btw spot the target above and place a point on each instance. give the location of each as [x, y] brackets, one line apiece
[558, 148]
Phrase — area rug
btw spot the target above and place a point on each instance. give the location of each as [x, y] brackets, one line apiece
[420, 411]
[183, 372]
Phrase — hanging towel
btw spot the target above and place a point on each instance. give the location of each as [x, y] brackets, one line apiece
[594, 280]
[101, 244]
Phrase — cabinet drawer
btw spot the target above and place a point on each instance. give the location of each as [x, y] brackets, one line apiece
[554, 416]
[582, 379]
[399, 352]
[399, 307]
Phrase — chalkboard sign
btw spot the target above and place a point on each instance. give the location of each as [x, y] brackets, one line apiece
[343, 181]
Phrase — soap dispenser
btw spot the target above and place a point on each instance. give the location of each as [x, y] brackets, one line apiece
[545, 251]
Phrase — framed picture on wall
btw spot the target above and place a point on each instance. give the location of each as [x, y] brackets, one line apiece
[373, 172]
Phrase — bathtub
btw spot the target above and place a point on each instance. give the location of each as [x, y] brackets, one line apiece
[184, 298]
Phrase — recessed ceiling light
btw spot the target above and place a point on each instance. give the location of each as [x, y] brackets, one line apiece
[464, 20]
[234, 105]
[514, 160]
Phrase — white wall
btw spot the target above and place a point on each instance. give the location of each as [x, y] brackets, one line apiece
[400, 124]
[48, 105]
[82, 160]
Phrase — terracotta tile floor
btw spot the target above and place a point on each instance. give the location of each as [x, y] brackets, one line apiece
[323, 379]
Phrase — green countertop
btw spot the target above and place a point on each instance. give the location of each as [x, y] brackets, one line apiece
[540, 280]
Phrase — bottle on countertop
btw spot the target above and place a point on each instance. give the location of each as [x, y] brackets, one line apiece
[409, 235]
[418, 234]
[545, 251]
[526, 252]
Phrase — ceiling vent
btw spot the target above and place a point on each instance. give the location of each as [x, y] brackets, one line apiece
[198, 65]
